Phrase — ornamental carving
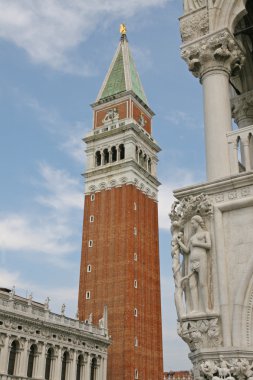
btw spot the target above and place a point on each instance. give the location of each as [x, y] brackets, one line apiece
[232, 369]
[202, 333]
[242, 107]
[192, 273]
[194, 26]
[218, 51]
[112, 115]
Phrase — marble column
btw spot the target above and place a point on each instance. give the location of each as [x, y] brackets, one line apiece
[41, 362]
[73, 367]
[4, 357]
[87, 367]
[213, 59]
[24, 354]
[57, 366]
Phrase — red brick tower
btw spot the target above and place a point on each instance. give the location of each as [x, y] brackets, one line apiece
[120, 253]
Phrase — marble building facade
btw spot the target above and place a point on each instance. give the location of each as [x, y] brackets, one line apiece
[212, 223]
[38, 344]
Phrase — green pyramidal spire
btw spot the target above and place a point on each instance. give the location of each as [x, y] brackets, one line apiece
[122, 74]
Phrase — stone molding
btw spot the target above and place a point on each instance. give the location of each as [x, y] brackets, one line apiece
[104, 179]
[200, 333]
[242, 108]
[218, 51]
[194, 25]
[218, 187]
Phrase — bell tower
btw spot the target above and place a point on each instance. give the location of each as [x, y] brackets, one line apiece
[120, 252]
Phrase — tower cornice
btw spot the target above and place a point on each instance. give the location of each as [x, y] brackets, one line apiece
[138, 131]
[110, 99]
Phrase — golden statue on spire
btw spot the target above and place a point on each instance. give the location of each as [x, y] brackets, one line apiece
[123, 29]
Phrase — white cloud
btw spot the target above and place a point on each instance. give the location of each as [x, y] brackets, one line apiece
[31, 234]
[177, 178]
[8, 279]
[52, 232]
[69, 136]
[183, 119]
[47, 30]
[57, 295]
[63, 191]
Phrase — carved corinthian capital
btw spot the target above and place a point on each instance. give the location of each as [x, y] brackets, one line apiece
[242, 109]
[218, 51]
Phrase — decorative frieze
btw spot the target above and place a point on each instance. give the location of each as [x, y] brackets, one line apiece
[233, 194]
[218, 51]
[232, 369]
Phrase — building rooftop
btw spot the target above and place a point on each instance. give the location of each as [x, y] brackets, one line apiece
[122, 74]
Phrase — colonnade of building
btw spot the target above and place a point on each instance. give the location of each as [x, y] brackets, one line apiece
[116, 153]
[23, 358]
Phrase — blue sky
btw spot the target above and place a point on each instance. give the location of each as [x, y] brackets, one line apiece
[54, 56]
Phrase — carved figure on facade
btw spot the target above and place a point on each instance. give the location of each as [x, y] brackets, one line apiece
[141, 121]
[46, 303]
[30, 298]
[90, 319]
[192, 274]
[111, 116]
[197, 249]
[12, 293]
[233, 369]
[63, 308]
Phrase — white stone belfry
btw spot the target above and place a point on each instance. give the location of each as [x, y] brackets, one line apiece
[212, 223]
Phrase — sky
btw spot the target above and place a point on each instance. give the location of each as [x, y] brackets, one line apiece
[54, 55]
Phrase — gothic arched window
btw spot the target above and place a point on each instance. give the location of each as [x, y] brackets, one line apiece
[121, 152]
[114, 153]
[98, 158]
[106, 156]
[32, 353]
[65, 362]
[49, 358]
[80, 363]
[93, 369]
[13, 357]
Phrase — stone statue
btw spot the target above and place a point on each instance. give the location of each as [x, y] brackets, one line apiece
[63, 308]
[30, 298]
[122, 29]
[90, 319]
[12, 292]
[197, 249]
[142, 121]
[46, 303]
[101, 323]
[177, 268]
